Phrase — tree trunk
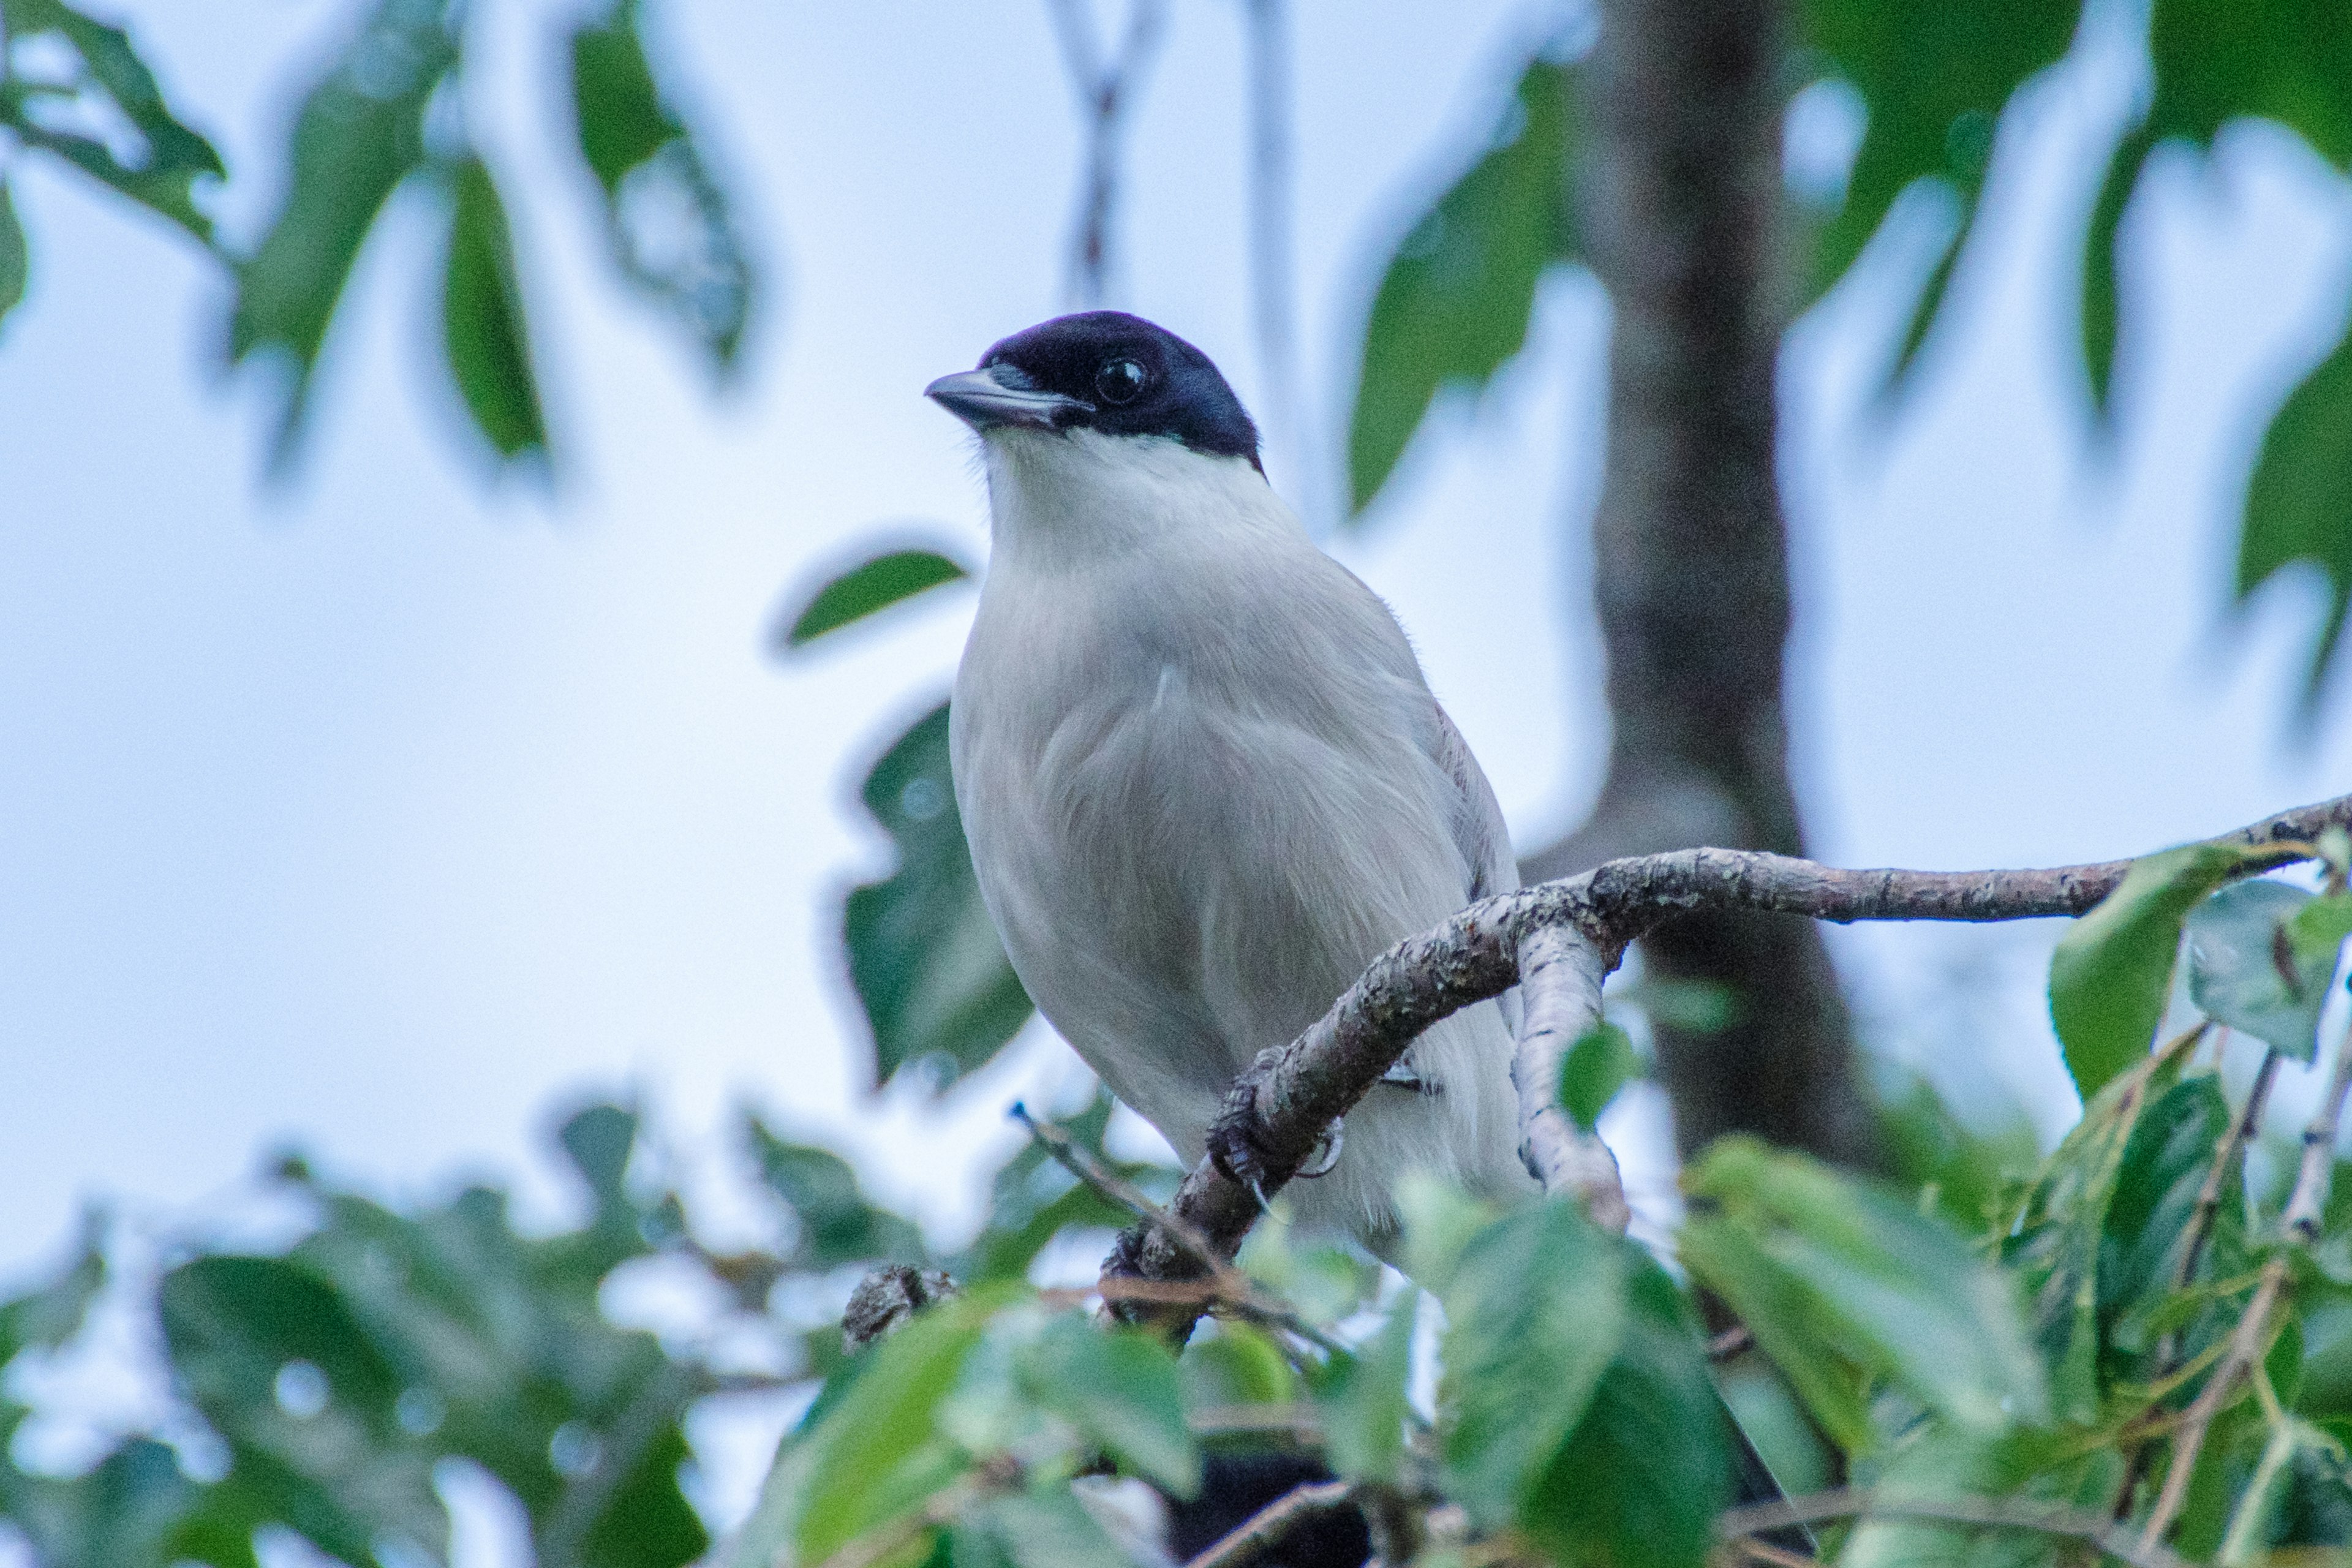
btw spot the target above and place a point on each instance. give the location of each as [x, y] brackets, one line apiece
[1690, 557]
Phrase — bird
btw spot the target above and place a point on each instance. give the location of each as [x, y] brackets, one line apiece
[1201, 774]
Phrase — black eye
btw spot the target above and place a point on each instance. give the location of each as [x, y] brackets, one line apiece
[1118, 381]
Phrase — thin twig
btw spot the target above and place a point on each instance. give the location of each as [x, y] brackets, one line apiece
[1271, 266]
[2208, 1196]
[1104, 91]
[1735, 1340]
[1277, 1518]
[2251, 1340]
[2010, 1513]
[1226, 1287]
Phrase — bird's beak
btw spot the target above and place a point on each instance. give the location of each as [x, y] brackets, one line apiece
[981, 400]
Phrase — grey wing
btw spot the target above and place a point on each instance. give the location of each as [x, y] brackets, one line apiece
[1480, 833]
[1477, 823]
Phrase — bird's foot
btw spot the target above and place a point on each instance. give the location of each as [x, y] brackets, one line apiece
[1234, 1149]
[1325, 1153]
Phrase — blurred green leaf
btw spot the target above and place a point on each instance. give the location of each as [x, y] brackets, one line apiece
[2255, 966]
[2299, 502]
[161, 173]
[15, 256]
[1536, 1312]
[2164, 1167]
[483, 331]
[923, 955]
[1829, 1271]
[1364, 1402]
[1234, 1366]
[2110, 976]
[874, 586]
[837, 1222]
[1046, 1527]
[1455, 300]
[1596, 1066]
[671, 228]
[1119, 1389]
[2101, 318]
[360, 134]
[51, 1313]
[878, 1454]
[1640, 1480]
[1935, 79]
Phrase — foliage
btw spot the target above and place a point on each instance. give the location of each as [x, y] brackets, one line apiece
[387, 114]
[2030, 1339]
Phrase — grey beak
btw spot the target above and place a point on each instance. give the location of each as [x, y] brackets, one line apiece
[981, 400]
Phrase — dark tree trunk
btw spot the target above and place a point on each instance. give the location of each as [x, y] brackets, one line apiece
[1690, 557]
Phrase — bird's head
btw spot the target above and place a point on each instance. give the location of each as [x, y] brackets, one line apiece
[1104, 372]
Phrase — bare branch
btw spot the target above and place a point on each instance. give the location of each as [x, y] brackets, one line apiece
[1560, 986]
[2013, 1513]
[1271, 266]
[1279, 1106]
[1104, 89]
[1268, 1525]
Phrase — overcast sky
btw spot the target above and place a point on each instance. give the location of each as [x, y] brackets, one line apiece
[381, 810]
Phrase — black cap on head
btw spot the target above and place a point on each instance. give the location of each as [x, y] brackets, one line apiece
[1107, 370]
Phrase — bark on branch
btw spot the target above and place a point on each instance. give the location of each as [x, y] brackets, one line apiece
[1562, 939]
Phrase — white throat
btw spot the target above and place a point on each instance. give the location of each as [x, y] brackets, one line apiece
[1059, 497]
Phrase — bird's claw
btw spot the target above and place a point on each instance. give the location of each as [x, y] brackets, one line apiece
[1325, 1153]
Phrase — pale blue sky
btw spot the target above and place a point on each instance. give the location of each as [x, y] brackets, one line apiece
[377, 810]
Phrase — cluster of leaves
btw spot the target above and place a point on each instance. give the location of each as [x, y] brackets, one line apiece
[1998, 1358]
[322, 1391]
[1931, 83]
[388, 112]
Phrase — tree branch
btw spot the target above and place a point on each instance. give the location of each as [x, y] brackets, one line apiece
[1268, 1525]
[2014, 1513]
[1278, 1108]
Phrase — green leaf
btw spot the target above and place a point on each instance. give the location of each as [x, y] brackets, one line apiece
[1640, 1480]
[2163, 1169]
[2101, 312]
[923, 955]
[49, 1314]
[2256, 966]
[1833, 1273]
[483, 332]
[2286, 61]
[15, 256]
[2110, 976]
[2299, 502]
[877, 1455]
[1048, 1528]
[163, 173]
[1119, 1389]
[1599, 1064]
[861, 591]
[837, 1222]
[1455, 299]
[360, 134]
[1536, 1312]
[671, 228]
[1232, 1366]
[1935, 79]
[1365, 1403]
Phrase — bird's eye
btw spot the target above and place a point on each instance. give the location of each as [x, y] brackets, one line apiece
[1119, 381]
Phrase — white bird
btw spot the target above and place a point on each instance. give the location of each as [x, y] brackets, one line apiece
[1202, 777]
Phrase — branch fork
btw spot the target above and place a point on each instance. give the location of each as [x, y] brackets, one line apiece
[1557, 941]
